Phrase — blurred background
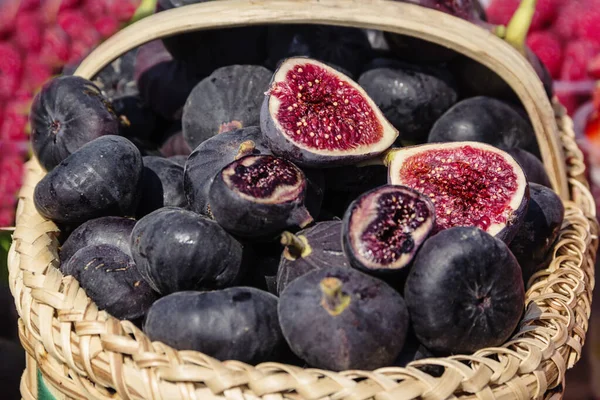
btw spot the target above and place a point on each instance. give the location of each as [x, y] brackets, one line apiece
[42, 38]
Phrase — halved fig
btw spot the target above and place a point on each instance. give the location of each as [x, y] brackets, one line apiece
[383, 228]
[259, 196]
[470, 184]
[316, 116]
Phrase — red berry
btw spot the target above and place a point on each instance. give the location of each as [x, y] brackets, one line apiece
[106, 26]
[28, 31]
[8, 14]
[501, 11]
[549, 50]
[588, 25]
[78, 27]
[7, 216]
[122, 10]
[78, 52]
[68, 4]
[11, 70]
[29, 5]
[576, 57]
[35, 74]
[56, 47]
[545, 13]
[94, 9]
[15, 123]
[49, 10]
[565, 24]
[569, 100]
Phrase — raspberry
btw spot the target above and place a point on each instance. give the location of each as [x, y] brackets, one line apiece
[106, 26]
[500, 12]
[94, 9]
[36, 73]
[28, 31]
[576, 57]
[29, 5]
[8, 14]
[78, 52]
[78, 27]
[68, 4]
[15, 120]
[547, 47]
[588, 25]
[122, 10]
[11, 70]
[565, 24]
[570, 101]
[545, 13]
[7, 216]
[56, 47]
[593, 67]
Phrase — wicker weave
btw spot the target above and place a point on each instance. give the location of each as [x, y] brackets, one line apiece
[84, 353]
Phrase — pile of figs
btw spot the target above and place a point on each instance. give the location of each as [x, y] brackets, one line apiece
[330, 204]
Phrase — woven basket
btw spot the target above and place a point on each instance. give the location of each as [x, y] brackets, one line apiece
[84, 353]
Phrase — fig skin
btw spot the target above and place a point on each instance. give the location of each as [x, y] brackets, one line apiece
[213, 155]
[486, 120]
[464, 292]
[162, 185]
[111, 279]
[113, 231]
[284, 147]
[354, 178]
[239, 323]
[314, 248]
[176, 250]
[412, 49]
[100, 179]
[539, 231]
[319, 314]
[116, 80]
[228, 99]
[67, 113]
[534, 169]
[412, 97]
[244, 216]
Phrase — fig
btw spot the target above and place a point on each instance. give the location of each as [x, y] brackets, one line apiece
[317, 247]
[176, 250]
[239, 323]
[259, 197]
[337, 46]
[384, 228]
[100, 179]
[486, 120]
[162, 185]
[412, 97]
[116, 80]
[209, 49]
[228, 99]
[137, 121]
[111, 279]
[412, 49]
[179, 159]
[464, 292]
[534, 169]
[213, 155]
[470, 184]
[315, 116]
[67, 113]
[113, 231]
[353, 178]
[539, 230]
[339, 319]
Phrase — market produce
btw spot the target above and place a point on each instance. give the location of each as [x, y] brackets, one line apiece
[531, 165]
[161, 185]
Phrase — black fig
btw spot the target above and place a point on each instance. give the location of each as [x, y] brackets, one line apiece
[259, 196]
[67, 113]
[100, 179]
[340, 319]
[116, 80]
[532, 166]
[162, 185]
[228, 99]
[178, 250]
[314, 248]
[315, 116]
[464, 292]
[384, 228]
[470, 183]
[238, 323]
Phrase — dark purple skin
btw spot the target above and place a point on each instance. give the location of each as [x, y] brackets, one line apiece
[100, 179]
[532, 166]
[113, 231]
[346, 47]
[164, 83]
[228, 99]
[176, 146]
[464, 292]
[412, 97]
[179, 159]
[353, 178]
[539, 230]
[11, 368]
[238, 323]
[399, 204]
[412, 49]
[315, 189]
[162, 185]
[325, 242]
[110, 278]
[176, 249]
[66, 114]
[116, 80]
[136, 119]
[487, 120]
[213, 155]
[207, 50]
[340, 342]
[249, 218]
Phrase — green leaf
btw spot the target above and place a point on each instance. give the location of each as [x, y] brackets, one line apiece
[145, 8]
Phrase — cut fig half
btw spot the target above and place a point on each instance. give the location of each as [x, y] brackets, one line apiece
[470, 184]
[316, 116]
[383, 228]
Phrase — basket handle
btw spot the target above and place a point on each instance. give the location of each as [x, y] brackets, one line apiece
[408, 19]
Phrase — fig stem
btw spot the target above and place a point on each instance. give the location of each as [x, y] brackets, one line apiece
[518, 26]
[246, 148]
[334, 300]
[295, 246]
